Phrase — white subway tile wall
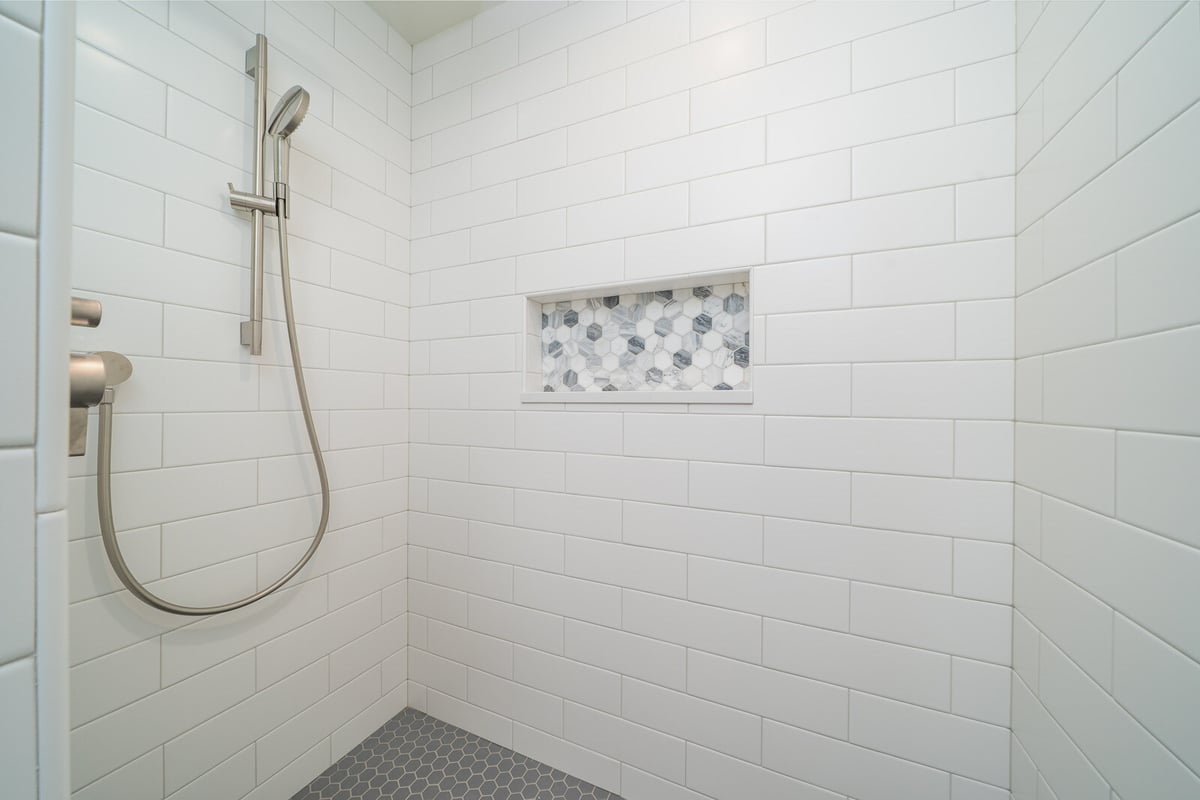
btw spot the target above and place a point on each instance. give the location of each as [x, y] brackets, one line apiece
[1104, 647]
[20, 520]
[214, 486]
[723, 601]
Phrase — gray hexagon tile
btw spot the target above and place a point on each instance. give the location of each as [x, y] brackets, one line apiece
[416, 757]
[694, 339]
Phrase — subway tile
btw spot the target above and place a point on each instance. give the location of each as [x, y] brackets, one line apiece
[478, 207]
[577, 433]
[1110, 38]
[570, 758]
[947, 507]
[114, 87]
[1129, 384]
[516, 702]
[530, 234]
[645, 658]
[722, 245]
[573, 103]
[736, 537]
[626, 741]
[1143, 666]
[1083, 149]
[568, 597]
[985, 209]
[1066, 766]
[1064, 613]
[532, 549]
[1117, 209]
[777, 491]
[983, 450]
[952, 155]
[965, 747]
[1152, 483]
[781, 594]
[699, 155]
[694, 437]
[1162, 79]
[915, 333]
[648, 480]
[800, 183]
[477, 651]
[727, 730]
[603, 262]
[861, 554]
[625, 565]
[635, 40]
[901, 109]
[845, 767]
[716, 630]
[567, 26]
[981, 691]
[517, 468]
[522, 82]
[913, 447]
[702, 62]
[571, 680]
[209, 744]
[475, 64]
[816, 389]
[984, 329]
[119, 737]
[820, 25]
[476, 136]
[1076, 464]
[519, 159]
[1154, 283]
[934, 622]
[961, 271]
[593, 517]
[523, 626]
[581, 183]
[626, 129]
[723, 777]
[1147, 597]
[1135, 763]
[628, 215]
[721, 15]
[962, 390]
[985, 90]
[968, 35]
[913, 219]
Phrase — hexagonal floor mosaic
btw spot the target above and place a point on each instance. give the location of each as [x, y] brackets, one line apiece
[695, 339]
[416, 757]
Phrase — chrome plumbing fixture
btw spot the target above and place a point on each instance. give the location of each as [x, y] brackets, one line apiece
[287, 116]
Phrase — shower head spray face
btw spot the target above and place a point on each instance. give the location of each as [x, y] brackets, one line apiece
[289, 113]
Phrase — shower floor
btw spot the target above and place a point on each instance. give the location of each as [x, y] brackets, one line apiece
[416, 757]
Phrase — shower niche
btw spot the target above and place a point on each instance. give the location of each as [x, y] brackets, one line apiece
[683, 341]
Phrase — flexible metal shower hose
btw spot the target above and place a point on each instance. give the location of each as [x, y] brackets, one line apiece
[104, 470]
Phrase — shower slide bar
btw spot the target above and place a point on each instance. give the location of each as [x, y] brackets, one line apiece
[287, 116]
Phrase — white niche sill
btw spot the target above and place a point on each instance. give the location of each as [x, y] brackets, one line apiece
[534, 379]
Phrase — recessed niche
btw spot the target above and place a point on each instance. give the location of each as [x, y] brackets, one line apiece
[669, 343]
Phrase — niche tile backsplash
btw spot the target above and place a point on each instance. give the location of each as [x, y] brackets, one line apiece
[695, 339]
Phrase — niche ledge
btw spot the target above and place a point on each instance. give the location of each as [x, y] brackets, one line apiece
[671, 341]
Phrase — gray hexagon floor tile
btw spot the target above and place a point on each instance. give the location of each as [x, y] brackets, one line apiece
[416, 757]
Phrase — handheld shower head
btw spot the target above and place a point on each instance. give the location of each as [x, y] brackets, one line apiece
[289, 112]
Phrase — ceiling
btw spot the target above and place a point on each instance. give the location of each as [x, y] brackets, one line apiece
[417, 20]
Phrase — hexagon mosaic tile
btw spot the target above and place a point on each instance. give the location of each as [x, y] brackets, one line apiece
[416, 757]
[694, 339]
